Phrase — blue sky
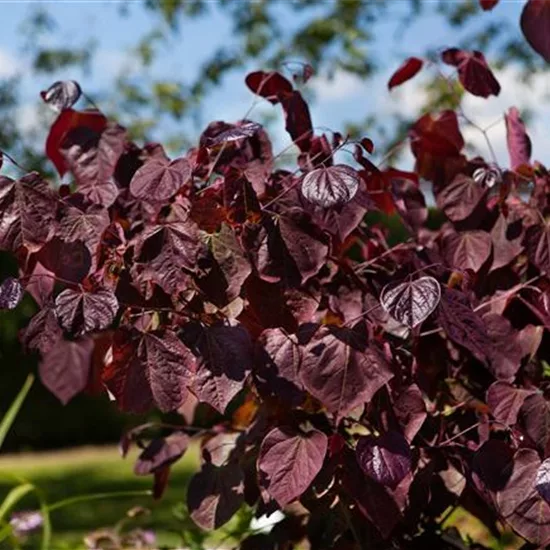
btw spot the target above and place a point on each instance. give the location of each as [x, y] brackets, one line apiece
[344, 98]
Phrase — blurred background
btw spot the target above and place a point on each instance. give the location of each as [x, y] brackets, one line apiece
[166, 68]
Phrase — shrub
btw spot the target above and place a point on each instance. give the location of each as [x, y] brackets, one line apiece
[365, 389]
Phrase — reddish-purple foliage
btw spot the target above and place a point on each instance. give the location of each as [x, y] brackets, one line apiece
[377, 386]
[409, 68]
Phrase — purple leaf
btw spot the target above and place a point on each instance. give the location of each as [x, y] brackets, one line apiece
[27, 212]
[65, 367]
[290, 461]
[80, 311]
[161, 452]
[534, 417]
[340, 370]
[215, 494]
[70, 261]
[505, 401]
[542, 480]
[519, 143]
[535, 22]
[411, 302]
[463, 325]
[410, 409]
[242, 130]
[332, 186]
[158, 180]
[43, 331]
[62, 94]
[467, 249]
[461, 198]
[521, 504]
[386, 459]
[473, 71]
[537, 244]
[11, 293]
[409, 68]
[226, 359]
[149, 368]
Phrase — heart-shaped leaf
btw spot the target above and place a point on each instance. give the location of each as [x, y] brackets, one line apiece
[158, 180]
[330, 186]
[62, 94]
[386, 459]
[411, 302]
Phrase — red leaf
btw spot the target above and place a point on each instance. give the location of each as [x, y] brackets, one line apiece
[65, 367]
[289, 462]
[43, 332]
[272, 86]
[535, 25]
[505, 401]
[461, 198]
[487, 5]
[70, 261]
[158, 180]
[215, 494]
[519, 143]
[66, 121]
[473, 71]
[537, 243]
[406, 71]
[467, 249]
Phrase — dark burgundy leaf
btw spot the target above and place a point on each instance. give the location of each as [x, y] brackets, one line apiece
[298, 120]
[161, 452]
[92, 157]
[463, 325]
[386, 459]
[521, 504]
[277, 365]
[43, 331]
[519, 143]
[406, 71]
[488, 5]
[411, 302]
[473, 71]
[272, 85]
[493, 464]
[505, 249]
[408, 198]
[460, 199]
[305, 242]
[167, 253]
[226, 359]
[62, 94]
[505, 401]
[535, 22]
[64, 369]
[537, 243]
[80, 311]
[27, 212]
[84, 225]
[410, 409]
[158, 180]
[332, 186]
[230, 256]
[290, 460]
[535, 418]
[149, 368]
[215, 494]
[507, 351]
[11, 293]
[69, 261]
[467, 249]
[341, 371]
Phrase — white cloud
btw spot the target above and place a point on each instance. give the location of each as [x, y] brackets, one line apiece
[8, 64]
[342, 86]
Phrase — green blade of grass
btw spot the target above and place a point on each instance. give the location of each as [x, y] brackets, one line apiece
[10, 416]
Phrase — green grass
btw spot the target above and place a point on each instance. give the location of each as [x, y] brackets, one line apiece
[96, 470]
